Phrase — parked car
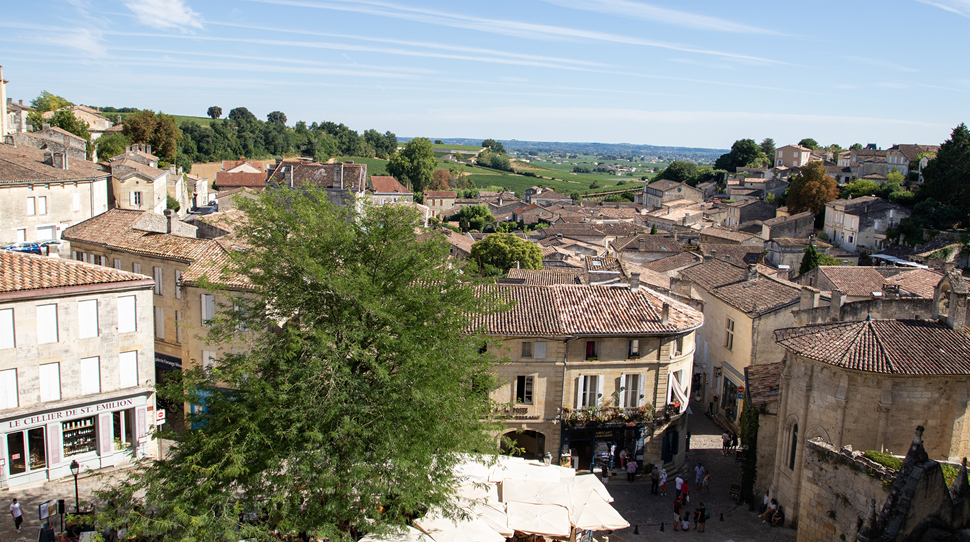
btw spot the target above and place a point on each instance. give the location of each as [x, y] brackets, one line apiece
[31, 248]
[54, 244]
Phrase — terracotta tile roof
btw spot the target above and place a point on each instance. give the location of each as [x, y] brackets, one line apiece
[586, 310]
[918, 282]
[739, 255]
[228, 165]
[123, 167]
[670, 263]
[596, 264]
[23, 272]
[648, 277]
[763, 382]
[712, 274]
[224, 179]
[864, 205]
[441, 194]
[348, 175]
[910, 347]
[651, 243]
[911, 152]
[24, 164]
[853, 280]
[549, 277]
[115, 229]
[782, 219]
[758, 296]
[57, 130]
[383, 184]
[215, 263]
[726, 235]
[549, 194]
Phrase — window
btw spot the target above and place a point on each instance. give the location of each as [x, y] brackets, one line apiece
[527, 350]
[178, 282]
[117, 263]
[159, 323]
[123, 428]
[242, 315]
[729, 399]
[794, 447]
[589, 391]
[21, 235]
[208, 309]
[590, 349]
[42, 205]
[523, 390]
[539, 350]
[7, 339]
[97, 260]
[632, 392]
[633, 349]
[31, 207]
[126, 314]
[128, 362]
[157, 273]
[90, 376]
[9, 396]
[135, 198]
[136, 268]
[729, 335]
[80, 436]
[77, 202]
[50, 382]
[178, 326]
[677, 347]
[208, 359]
[33, 456]
[87, 314]
[47, 324]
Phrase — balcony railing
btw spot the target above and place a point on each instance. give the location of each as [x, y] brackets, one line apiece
[607, 415]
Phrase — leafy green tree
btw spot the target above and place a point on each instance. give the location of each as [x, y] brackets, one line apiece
[415, 164]
[384, 144]
[494, 146]
[438, 142]
[767, 146]
[809, 143]
[158, 130]
[856, 146]
[947, 177]
[653, 229]
[276, 117]
[502, 250]
[575, 196]
[744, 153]
[355, 392]
[473, 217]
[810, 260]
[894, 177]
[241, 114]
[440, 180]
[214, 112]
[678, 171]
[811, 189]
[861, 187]
[112, 145]
[49, 102]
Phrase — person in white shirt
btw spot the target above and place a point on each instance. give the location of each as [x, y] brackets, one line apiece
[18, 515]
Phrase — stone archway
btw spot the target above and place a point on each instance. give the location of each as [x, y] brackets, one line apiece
[528, 444]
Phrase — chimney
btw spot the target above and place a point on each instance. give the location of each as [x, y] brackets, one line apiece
[172, 170]
[500, 201]
[643, 244]
[170, 216]
[635, 282]
[665, 313]
[45, 126]
[148, 149]
[59, 160]
[956, 316]
[49, 158]
[288, 172]
[752, 273]
[517, 265]
[835, 304]
[809, 298]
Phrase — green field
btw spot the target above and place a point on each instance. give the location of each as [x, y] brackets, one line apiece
[444, 147]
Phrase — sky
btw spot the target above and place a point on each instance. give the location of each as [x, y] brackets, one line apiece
[695, 73]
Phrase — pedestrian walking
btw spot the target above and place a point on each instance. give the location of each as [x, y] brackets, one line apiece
[631, 470]
[711, 406]
[605, 470]
[678, 484]
[17, 514]
[698, 474]
[706, 483]
[655, 480]
[734, 440]
[725, 442]
[677, 510]
[623, 458]
[685, 492]
[702, 516]
[687, 443]
[663, 482]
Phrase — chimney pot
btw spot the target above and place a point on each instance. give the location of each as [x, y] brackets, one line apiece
[635, 282]
[665, 314]
[170, 217]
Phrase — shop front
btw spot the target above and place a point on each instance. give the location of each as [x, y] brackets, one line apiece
[731, 389]
[40, 445]
[592, 445]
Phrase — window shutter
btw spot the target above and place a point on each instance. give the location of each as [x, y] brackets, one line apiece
[8, 389]
[117, 263]
[580, 387]
[77, 202]
[47, 324]
[131, 198]
[539, 350]
[178, 326]
[159, 323]
[128, 362]
[126, 314]
[178, 282]
[42, 205]
[624, 392]
[136, 268]
[641, 397]
[157, 272]
[87, 312]
[90, 376]
[208, 308]
[208, 359]
[599, 390]
[30, 207]
[7, 339]
[50, 382]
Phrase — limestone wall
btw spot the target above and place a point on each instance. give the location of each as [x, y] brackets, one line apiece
[837, 489]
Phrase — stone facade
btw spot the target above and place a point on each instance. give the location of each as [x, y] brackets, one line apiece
[838, 487]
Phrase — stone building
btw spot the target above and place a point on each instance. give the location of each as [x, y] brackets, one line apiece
[591, 366]
[344, 182]
[663, 191]
[861, 223]
[797, 226]
[76, 371]
[855, 383]
[386, 189]
[137, 183]
[51, 139]
[41, 193]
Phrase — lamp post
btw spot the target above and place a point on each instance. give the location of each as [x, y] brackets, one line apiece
[75, 468]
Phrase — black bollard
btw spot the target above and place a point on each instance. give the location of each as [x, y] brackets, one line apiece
[722, 516]
[661, 526]
[636, 529]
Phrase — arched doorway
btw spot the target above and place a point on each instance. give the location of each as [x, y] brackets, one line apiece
[528, 444]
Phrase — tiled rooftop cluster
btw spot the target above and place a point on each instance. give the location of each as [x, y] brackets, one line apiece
[24, 272]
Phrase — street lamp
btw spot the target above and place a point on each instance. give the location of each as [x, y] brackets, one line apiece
[75, 468]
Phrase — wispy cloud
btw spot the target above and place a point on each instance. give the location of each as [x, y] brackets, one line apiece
[960, 7]
[646, 12]
[164, 14]
[892, 84]
[505, 27]
[882, 64]
[83, 40]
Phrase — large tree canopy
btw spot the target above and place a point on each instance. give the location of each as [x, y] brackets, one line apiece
[356, 390]
[678, 171]
[415, 164]
[947, 177]
[744, 153]
[158, 130]
[502, 250]
[811, 189]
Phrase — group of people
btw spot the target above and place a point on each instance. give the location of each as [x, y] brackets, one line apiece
[729, 441]
[683, 516]
[771, 512]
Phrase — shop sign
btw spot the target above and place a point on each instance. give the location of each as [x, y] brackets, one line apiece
[68, 414]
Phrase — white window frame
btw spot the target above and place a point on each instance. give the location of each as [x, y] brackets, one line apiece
[41, 205]
[117, 263]
[8, 330]
[208, 359]
[47, 331]
[589, 391]
[50, 382]
[128, 369]
[158, 274]
[632, 392]
[729, 327]
[524, 389]
[87, 315]
[127, 314]
[160, 323]
[90, 375]
[9, 392]
[31, 206]
[178, 282]
[208, 309]
[136, 268]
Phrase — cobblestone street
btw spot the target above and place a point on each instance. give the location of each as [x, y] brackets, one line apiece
[648, 512]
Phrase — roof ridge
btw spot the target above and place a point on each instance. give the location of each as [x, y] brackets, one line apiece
[882, 347]
[852, 343]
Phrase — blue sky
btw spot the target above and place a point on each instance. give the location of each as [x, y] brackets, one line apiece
[699, 73]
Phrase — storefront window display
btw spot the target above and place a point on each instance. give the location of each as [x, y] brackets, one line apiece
[80, 436]
[729, 399]
[32, 457]
[124, 433]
